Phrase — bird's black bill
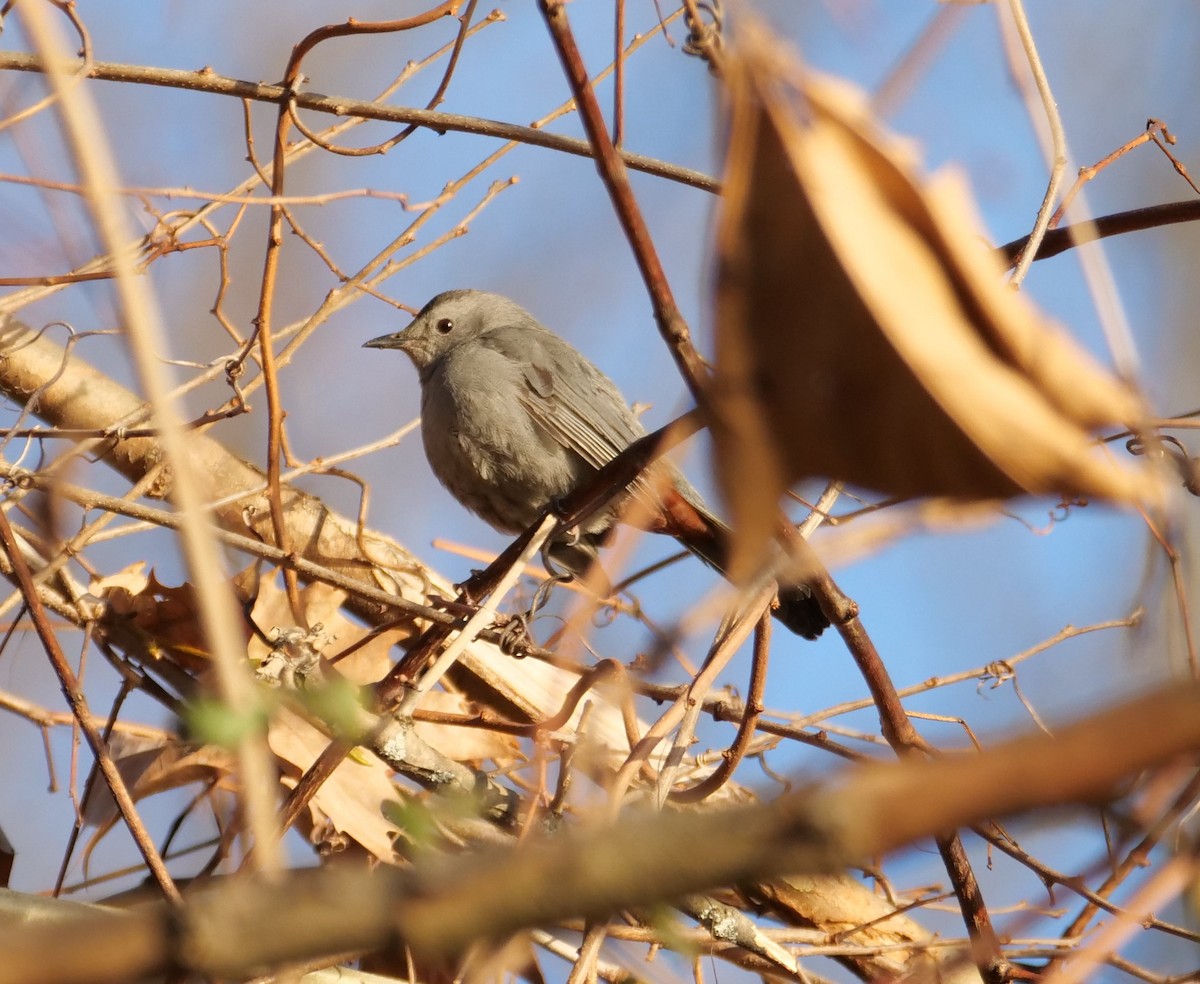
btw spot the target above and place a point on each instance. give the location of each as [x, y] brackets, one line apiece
[384, 341]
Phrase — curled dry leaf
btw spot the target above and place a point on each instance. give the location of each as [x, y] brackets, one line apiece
[153, 765]
[158, 618]
[865, 333]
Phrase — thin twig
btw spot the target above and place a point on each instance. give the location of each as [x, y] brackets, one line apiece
[362, 109]
[264, 335]
[482, 617]
[1060, 240]
[618, 120]
[904, 739]
[900, 78]
[79, 707]
[730, 636]
[89, 499]
[1058, 142]
[1094, 264]
[1163, 886]
[1156, 132]
[732, 756]
[293, 77]
[1136, 858]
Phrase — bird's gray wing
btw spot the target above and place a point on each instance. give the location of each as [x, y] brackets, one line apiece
[567, 396]
[583, 411]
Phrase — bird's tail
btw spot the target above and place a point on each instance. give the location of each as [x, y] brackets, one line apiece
[797, 610]
[680, 511]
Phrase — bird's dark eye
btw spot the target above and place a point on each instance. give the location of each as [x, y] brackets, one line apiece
[444, 326]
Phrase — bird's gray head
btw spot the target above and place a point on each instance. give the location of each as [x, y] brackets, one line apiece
[450, 319]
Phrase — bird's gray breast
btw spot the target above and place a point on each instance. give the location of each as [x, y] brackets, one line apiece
[482, 444]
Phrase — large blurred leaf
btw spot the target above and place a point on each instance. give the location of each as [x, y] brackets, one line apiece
[864, 330]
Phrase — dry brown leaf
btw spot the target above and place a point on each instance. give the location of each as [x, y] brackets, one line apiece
[365, 664]
[470, 745]
[865, 334]
[368, 661]
[151, 765]
[839, 904]
[162, 619]
[132, 578]
[352, 798]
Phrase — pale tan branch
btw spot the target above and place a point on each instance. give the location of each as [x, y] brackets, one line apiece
[444, 904]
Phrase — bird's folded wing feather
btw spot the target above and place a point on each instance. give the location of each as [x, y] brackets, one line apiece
[581, 409]
[567, 396]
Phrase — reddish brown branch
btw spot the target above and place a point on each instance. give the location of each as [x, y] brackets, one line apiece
[353, 27]
[488, 720]
[312, 780]
[275, 414]
[1136, 220]
[615, 176]
[264, 333]
[292, 75]
[905, 740]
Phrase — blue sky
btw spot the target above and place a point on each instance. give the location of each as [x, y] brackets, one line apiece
[935, 604]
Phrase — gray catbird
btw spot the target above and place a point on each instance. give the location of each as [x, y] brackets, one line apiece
[514, 418]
